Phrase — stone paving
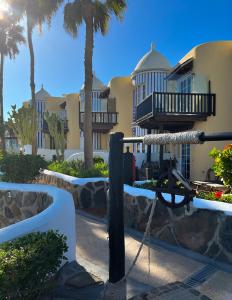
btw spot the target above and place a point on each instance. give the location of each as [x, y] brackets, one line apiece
[176, 290]
[165, 266]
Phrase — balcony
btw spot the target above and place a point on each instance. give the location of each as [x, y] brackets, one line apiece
[45, 126]
[174, 111]
[101, 121]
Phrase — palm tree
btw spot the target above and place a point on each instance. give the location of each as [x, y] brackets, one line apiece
[10, 37]
[36, 12]
[96, 16]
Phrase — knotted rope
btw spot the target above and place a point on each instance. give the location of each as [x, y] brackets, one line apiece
[188, 137]
[117, 291]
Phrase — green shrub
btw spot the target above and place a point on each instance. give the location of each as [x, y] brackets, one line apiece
[21, 168]
[223, 164]
[76, 168]
[63, 167]
[98, 159]
[149, 185]
[28, 264]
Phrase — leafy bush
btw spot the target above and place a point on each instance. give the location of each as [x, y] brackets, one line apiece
[63, 167]
[76, 168]
[98, 159]
[21, 168]
[149, 185]
[215, 196]
[223, 164]
[28, 264]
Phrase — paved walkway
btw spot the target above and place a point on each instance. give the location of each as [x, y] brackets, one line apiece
[166, 266]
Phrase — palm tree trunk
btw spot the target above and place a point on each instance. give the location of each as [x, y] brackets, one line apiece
[32, 76]
[88, 139]
[2, 129]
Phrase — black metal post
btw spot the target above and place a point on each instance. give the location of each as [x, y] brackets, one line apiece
[116, 221]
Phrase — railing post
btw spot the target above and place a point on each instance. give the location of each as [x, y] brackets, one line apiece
[116, 221]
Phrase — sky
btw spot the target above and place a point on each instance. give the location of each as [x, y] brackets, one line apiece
[175, 26]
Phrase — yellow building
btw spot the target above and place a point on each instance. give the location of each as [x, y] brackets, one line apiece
[194, 95]
[112, 112]
[198, 98]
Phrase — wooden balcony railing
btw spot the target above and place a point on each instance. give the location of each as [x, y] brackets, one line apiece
[110, 118]
[161, 103]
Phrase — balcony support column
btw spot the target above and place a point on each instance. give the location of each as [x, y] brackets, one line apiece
[149, 149]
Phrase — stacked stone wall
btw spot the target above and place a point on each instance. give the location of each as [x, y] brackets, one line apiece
[204, 231]
[16, 206]
[90, 197]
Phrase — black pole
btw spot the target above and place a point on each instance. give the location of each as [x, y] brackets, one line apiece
[116, 221]
[219, 136]
[205, 137]
[149, 149]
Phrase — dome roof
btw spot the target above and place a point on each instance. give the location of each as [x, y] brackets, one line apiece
[42, 94]
[151, 61]
[97, 84]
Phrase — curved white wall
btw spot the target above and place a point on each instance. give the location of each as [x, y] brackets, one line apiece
[60, 215]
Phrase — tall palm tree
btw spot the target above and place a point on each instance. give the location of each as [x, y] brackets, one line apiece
[36, 12]
[10, 37]
[96, 16]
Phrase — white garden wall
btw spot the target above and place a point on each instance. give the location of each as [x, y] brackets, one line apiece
[60, 215]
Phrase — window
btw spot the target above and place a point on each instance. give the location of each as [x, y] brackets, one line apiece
[143, 92]
[96, 141]
[52, 143]
[185, 84]
[185, 161]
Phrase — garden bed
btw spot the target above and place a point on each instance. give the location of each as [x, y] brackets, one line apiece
[203, 190]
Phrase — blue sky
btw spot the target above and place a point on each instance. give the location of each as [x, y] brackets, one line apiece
[175, 26]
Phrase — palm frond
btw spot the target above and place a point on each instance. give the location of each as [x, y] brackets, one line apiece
[117, 7]
[11, 35]
[101, 17]
[38, 11]
[46, 9]
[73, 17]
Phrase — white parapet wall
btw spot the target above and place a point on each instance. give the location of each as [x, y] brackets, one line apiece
[59, 215]
[71, 154]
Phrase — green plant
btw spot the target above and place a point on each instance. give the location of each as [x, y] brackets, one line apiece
[22, 123]
[21, 168]
[56, 129]
[76, 168]
[223, 164]
[98, 159]
[28, 264]
[149, 185]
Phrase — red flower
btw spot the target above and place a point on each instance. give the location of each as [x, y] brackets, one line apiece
[227, 147]
[218, 194]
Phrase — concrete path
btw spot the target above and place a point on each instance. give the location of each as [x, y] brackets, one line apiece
[166, 266]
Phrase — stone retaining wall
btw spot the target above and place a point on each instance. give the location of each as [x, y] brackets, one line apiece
[16, 206]
[90, 197]
[204, 231]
